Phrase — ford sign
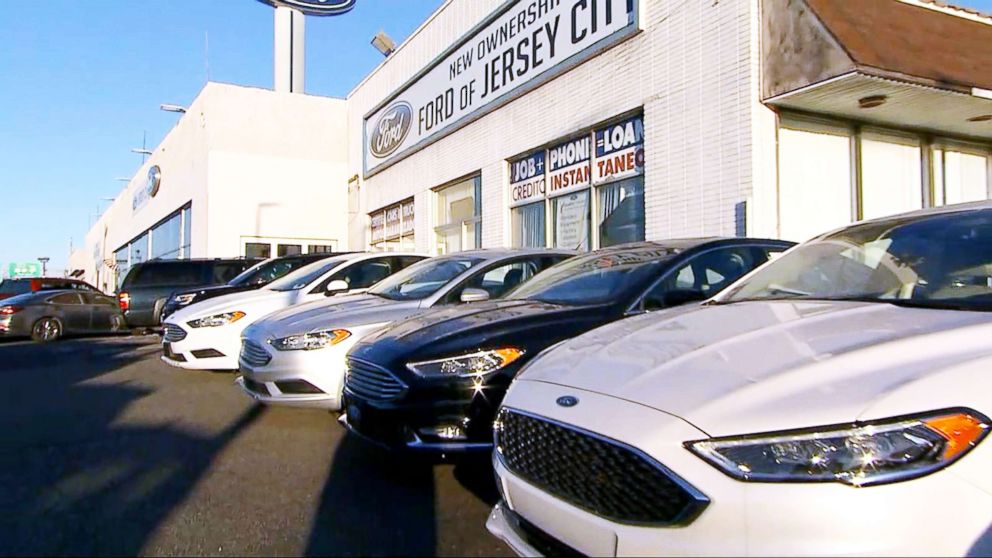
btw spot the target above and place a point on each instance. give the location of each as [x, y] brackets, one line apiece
[154, 180]
[315, 7]
[567, 401]
[391, 129]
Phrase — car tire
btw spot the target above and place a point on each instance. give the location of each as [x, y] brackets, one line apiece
[46, 330]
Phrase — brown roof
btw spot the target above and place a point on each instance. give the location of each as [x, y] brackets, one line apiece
[899, 38]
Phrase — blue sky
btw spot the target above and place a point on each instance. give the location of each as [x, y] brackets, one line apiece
[81, 81]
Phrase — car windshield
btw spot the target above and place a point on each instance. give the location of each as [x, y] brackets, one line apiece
[939, 261]
[593, 278]
[305, 275]
[265, 272]
[12, 287]
[423, 278]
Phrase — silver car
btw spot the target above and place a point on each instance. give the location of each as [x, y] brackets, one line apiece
[296, 357]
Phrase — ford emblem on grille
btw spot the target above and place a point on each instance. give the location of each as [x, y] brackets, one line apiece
[567, 401]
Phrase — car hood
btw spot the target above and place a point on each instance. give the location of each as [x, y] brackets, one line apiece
[764, 366]
[457, 329]
[258, 303]
[338, 311]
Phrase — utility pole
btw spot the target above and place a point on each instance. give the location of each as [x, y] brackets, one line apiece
[44, 266]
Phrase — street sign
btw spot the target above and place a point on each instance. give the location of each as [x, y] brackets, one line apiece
[24, 269]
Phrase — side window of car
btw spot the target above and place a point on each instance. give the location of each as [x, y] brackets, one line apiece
[365, 274]
[225, 271]
[499, 280]
[65, 298]
[701, 277]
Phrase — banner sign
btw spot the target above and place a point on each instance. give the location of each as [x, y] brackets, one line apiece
[619, 150]
[378, 226]
[524, 44]
[527, 180]
[392, 221]
[408, 217]
[572, 221]
[568, 166]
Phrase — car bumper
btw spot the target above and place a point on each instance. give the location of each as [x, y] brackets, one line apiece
[309, 379]
[940, 514]
[205, 348]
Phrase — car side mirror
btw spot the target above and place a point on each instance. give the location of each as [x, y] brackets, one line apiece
[678, 297]
[474, 295]
[336, 286]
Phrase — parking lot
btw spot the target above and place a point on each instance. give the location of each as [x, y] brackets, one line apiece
[106, 450]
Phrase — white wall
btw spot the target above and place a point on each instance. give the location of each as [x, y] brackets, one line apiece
[692, 70]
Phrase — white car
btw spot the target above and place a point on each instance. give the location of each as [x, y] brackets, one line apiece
[296, 357]
[207, 335]
[833, 402]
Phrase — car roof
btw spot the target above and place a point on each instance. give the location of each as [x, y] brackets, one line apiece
[499, 253]
[683, 244]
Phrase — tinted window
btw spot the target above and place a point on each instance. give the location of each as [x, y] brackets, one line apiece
[174, 274]
[365, 274]
[65, 298]
[226, 271]
[423, 279]
[289, 250]
[594, 278]
[258, 250]
[83, 287]
[51, 285]
[704, 275]
[268, 271]
[500, 280]
[15, 286]
[92, 298]
[305, 275]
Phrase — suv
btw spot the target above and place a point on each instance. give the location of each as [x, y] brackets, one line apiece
[14, 287]
[254, 278]
[148, 285]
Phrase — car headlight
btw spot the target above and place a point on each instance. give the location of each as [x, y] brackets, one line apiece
[217, 320]
[184, 299]
[467, 366]
[861, 454]
[311, 341]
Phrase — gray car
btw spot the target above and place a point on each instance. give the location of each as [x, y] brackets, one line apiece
[296, 357]
[47, 316]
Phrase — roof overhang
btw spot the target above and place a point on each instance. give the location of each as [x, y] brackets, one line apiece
[907, 105]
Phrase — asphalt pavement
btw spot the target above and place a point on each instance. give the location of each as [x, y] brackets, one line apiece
[106, 450]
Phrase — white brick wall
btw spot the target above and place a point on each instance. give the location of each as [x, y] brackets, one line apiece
[693, 69]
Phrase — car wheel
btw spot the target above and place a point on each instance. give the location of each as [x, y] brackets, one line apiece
[117, 324]
[46, 330]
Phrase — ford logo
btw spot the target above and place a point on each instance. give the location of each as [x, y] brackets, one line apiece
[154, 180]
[315, 7]
[567, 401]
[391, 129]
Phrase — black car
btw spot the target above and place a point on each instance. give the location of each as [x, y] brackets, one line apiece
[255, 277]
[48, 315]
[148, 285]
[434, 382]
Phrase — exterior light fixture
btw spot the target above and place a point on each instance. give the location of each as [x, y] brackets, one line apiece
[141, 151]
[383, 43]
[872, 101]
[981, 118]
[172, 108]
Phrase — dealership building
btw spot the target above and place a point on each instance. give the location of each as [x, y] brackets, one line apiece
[587, 123]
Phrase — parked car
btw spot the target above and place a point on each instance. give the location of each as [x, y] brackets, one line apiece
[296, 356]
[14, 287]
[48, 315]
[207, 335]
[148, 285]
[433, 382]
[833, 402]
[253, 278]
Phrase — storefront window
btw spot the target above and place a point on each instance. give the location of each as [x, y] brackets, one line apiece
[258, 250]
[393, 227]
[320, 249]
[621, 212]
[891, 175]
[529, 226]
[289, 250]
[959, 176]
[166, 239]
[459, 216]
[187, 228]
[571, 221]
[139, 249]
[814, 181]
[122, 265]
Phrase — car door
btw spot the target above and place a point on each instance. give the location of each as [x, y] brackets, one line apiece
[103, 309]
[501, 278]
[71, 310]
[703, 276]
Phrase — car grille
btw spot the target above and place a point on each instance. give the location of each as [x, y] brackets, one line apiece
[369, 381]
[173, 333]
[254, 354]
[597, 474]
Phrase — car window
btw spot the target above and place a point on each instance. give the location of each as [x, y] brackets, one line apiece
[305, 275]
[363, 275]
[65, 298]
[226, 271]
[84, 287]
[51, 285]
[171, 274]
[499, 280]
[15, 287]
[703, 276]
[424, 278]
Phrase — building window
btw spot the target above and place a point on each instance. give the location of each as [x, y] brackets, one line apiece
[960, 175]
[262, 250]
[571, 217]
[891, 175]
[320, 249]
[185, 250]
[459, 216]
[815, 192]
[167, 238]
[393, 226]
[529, 227]
[621, 212]
[289, 250]
[139, 250]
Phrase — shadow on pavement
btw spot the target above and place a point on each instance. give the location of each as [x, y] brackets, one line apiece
[72, 482]
[375, 504]
[475, 473]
